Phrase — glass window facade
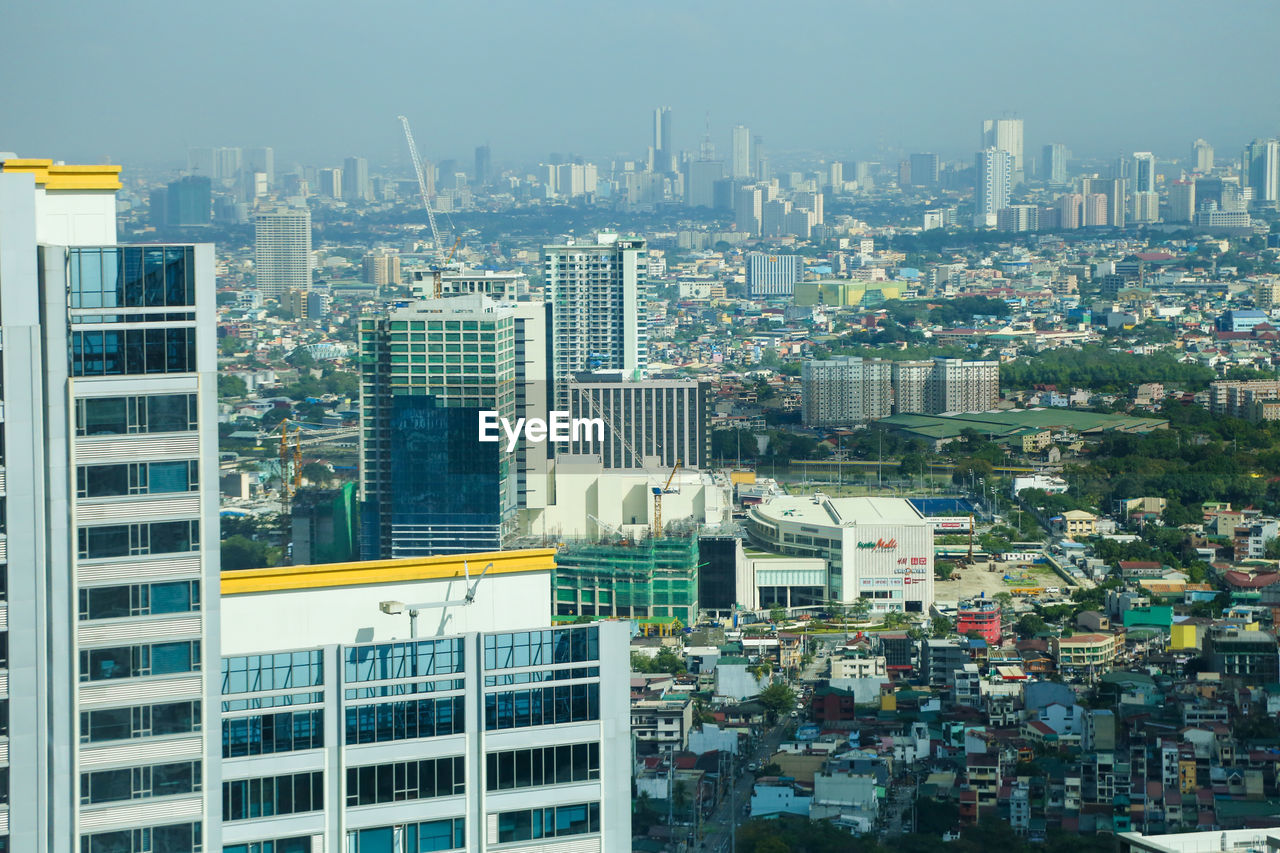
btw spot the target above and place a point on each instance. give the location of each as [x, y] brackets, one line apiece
[300, 844]
[139, 599]
[545, 765]
[130, 352]
[270, 796]
[171, 838]
[133, 415]
[375, 784]
[426, 837]
[130, 540]
[541, 706]
[132, 277]
[137, 478]
[388, 721]
[138, 661]
[265, 734]
[168, 718]
[137, 783]
[403, 660]
[540, 648]
[552, 822]
[253, 673]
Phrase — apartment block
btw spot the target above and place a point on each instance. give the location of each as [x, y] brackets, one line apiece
[599, 293]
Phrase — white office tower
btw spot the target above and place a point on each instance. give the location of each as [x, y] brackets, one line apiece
[740, 166]
[1260, 169]
[355, 180]
[773, 275]
[111, 611]
[956, 385]
[282, 250]
[663, 153]
[1202, 156]
[1144, 202]
[1053, 163]
[599, 293]
[393, 707]
[995, 183]
[1005, 134]
[846, 390]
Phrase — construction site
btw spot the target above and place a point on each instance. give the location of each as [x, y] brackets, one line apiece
[654, 579]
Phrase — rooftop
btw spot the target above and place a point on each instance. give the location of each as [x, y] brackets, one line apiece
[386, 571]
[840, 512]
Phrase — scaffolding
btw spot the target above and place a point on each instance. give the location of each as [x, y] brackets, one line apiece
[650, 579]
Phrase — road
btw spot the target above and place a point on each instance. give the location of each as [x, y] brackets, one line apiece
[716, 828]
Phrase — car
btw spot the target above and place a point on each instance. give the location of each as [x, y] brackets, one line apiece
[753, 767]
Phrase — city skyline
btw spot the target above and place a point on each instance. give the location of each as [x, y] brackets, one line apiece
[927, 106]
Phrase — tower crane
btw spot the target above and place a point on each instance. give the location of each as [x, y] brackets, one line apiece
[657, 498]
[426, 203]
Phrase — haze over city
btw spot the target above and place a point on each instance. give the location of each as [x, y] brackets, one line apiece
[863, 79]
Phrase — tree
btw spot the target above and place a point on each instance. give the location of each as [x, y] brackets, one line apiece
[777, 614]
[231, 386]
[776, 699]
[858, 609]
[1029, 624]
[940, 627]
[317, 473]
[240, 552]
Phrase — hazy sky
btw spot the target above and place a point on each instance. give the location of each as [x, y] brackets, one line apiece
[139, 82]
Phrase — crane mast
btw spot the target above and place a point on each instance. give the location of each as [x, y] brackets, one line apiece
[422, 183]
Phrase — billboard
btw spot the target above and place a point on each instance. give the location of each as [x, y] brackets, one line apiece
[951, 523]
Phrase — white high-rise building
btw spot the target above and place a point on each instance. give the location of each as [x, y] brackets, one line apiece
[995, 183]
[740, 165]
[773, 275]
[355, 180]
[1005, 134]
[663, 153]
[282, 250]
[1260, 169]
[1053, 163]
[109, 622]
[393, 707]
[599, 293]
[1144, 203]
[1202, 156]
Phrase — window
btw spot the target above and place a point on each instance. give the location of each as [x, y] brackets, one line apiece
[541, 706]
[170, 718]
[126, 540]
[390, 721]
[253, 673]
[537, 648]
[114, 602]
[403, 660]
[173, 838]
[548, 765]
[265, 734]
[124, 352]
[268, 796]
[132, 277]
[299, 844]
[375, 784]
[551, 822]
[137, 661]
[137, 478]
[426, 837]
[137, 783]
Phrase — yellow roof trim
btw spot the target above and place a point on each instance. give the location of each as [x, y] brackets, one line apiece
[63, 177]
[385, 571]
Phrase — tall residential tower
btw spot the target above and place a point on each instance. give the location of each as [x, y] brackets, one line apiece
[110, 435]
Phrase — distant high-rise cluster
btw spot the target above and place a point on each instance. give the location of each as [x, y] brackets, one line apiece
[849, 390]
